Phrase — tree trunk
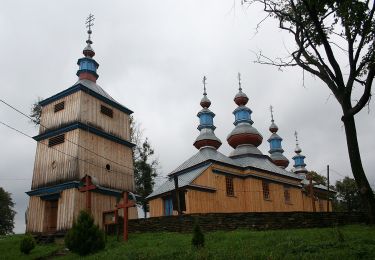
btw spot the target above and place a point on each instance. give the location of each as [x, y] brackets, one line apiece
[365, 190]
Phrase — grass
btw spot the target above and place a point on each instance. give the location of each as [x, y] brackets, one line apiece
[349, 242]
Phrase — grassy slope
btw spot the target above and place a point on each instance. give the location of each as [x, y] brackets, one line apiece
[350, 242]
[10, 249]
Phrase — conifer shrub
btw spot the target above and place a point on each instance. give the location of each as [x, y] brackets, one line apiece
[27, 244]
[198, 236]
[84, 237]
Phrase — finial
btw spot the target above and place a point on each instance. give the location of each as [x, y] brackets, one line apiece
[296, 135]
[239, 81]
[204, 85]
[89, 24]
[271, 109]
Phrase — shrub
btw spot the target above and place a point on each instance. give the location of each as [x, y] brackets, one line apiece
[27, 244]
[198, 236]
[84, 237]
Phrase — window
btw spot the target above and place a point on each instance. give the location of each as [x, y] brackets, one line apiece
[59, 106]
[286, 194]
[266, 190]
[229, 186]
[56, 140]
[106, 111]
[108, 167]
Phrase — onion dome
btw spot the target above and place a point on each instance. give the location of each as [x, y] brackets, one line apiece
[87, 65]
[206, 127]
[276, 151]
[299, 163]
[244, 138]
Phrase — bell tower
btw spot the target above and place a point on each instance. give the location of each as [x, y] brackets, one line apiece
[83, 132]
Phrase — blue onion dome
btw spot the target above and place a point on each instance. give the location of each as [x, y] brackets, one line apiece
[299, 160]
[276, 150]
[244, 138]
[207, 137]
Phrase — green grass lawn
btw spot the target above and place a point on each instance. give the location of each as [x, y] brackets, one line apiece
[349, 242]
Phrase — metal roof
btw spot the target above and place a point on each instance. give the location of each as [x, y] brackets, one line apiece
[183, 180]
[204, 154]
[96, 88]
[263, 163]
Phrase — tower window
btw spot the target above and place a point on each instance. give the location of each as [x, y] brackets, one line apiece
[266, 190]
[59, 139]
[108, 167]
[106, 111]
[286, 194]
[59, 106]
[229, 186]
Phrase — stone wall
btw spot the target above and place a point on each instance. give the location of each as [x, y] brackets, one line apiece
[257, 221]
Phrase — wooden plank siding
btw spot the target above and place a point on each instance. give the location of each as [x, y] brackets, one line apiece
[70, 203]
[248, 194]
[56, 164]
[90, 114]
[85, 108]
[71, 113]
[121, 174]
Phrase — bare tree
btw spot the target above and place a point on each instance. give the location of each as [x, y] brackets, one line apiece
[321, 29]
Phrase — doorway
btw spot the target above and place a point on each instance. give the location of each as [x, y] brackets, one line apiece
[51, 207]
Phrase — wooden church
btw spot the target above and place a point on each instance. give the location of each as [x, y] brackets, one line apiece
[244, 181]
[83, 140]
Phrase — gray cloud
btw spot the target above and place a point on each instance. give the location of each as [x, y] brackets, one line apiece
[152, 56]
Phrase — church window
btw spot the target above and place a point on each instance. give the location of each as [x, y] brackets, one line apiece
[59, 139]
[266, 190]
[59, 106]
[106, 111]
[286, 194]
[229, 186]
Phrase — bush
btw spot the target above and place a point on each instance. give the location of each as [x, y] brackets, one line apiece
[84, 237]
[27, 244]
[198, 236]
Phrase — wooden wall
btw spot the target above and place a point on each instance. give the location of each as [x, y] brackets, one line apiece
[70, 203]
[121, 174]
[90, 114]
[35, 215]
[248, 195]
[52, 164]
[71, 112]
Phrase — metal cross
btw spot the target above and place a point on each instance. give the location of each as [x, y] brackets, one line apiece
[296, 135]
[271, 108]
[89, 24]
[204, 85]
[239, 81]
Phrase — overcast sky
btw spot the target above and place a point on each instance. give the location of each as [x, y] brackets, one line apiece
[152, 56]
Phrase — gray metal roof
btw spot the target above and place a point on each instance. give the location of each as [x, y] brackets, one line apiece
[204, 154]
[245, 149]
[183, 180]
[96, 88]
[263, 163]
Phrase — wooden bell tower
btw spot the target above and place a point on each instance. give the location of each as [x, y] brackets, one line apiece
[83, 132]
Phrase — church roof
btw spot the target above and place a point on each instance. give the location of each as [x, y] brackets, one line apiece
[203, 155]
[92, 89]
[184, 179]
[262, 162]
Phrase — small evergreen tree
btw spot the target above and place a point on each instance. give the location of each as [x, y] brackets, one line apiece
[85, 237]
[27, 244]
[198, 236]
